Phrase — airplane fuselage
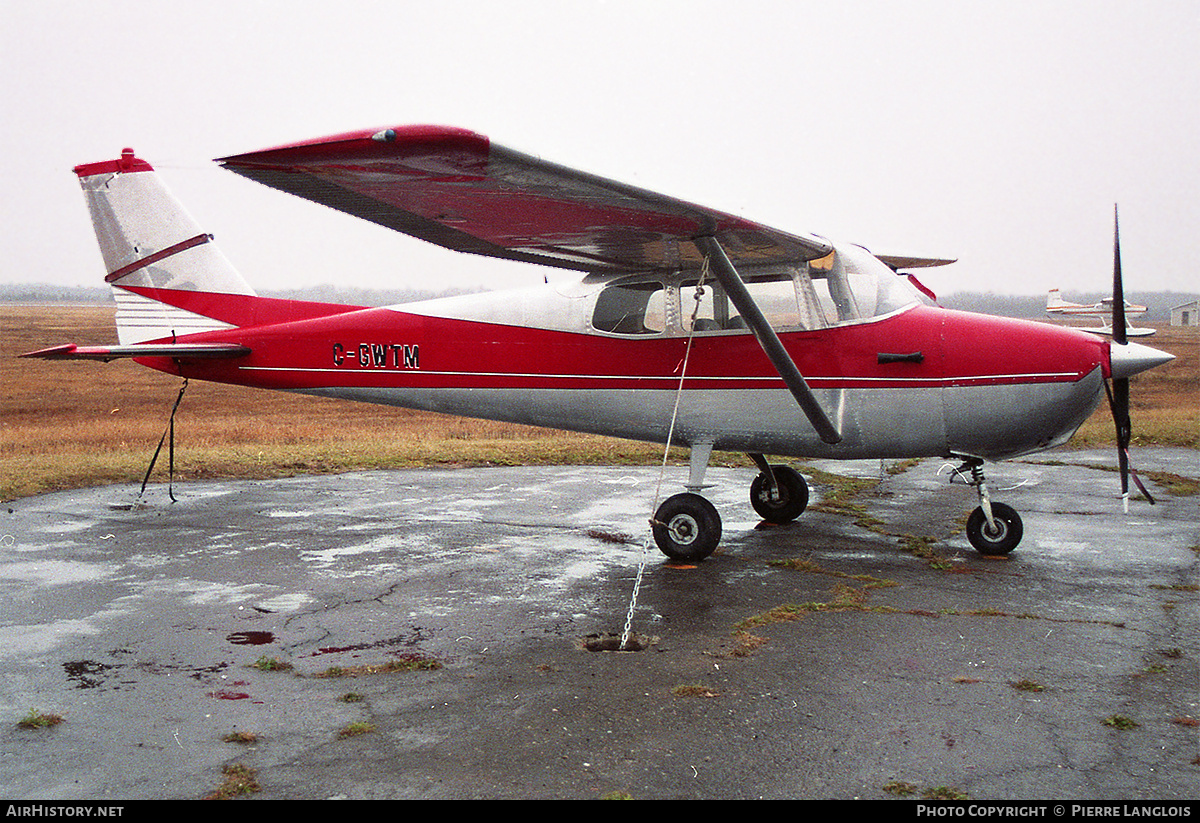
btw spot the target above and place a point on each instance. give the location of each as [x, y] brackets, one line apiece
[920, 381]
[687, 324]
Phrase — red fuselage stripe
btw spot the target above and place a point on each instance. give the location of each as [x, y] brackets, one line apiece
[399, 378]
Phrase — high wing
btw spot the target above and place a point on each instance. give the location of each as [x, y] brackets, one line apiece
[457, 189]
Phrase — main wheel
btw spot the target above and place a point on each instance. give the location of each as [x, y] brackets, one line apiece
[687, 527]
[998, 540]
[791, 500]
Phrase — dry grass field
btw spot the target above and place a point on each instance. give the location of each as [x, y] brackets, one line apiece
[73, 424]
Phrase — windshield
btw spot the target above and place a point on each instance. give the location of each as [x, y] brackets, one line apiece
[852, 284]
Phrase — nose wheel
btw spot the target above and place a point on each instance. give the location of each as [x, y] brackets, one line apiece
[993, 529]
[998, 537]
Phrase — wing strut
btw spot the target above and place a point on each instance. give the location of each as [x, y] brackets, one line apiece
[731, 281]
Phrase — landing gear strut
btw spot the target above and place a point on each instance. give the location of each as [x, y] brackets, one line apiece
[993, 528]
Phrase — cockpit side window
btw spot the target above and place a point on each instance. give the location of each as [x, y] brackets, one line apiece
[631, 308]
[845, 286]
[784, 295]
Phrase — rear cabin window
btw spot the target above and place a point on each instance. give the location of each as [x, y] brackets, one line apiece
[631, 308]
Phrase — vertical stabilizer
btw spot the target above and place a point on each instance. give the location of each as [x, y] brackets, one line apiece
[157, 257]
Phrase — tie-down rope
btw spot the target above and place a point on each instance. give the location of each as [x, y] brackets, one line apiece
[687, 351]
[170, 432]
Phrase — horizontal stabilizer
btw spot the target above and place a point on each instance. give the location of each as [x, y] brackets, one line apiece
[897, 262]
[185, 351]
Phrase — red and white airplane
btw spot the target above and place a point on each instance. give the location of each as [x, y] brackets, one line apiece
[1102, 312]
[686, 324]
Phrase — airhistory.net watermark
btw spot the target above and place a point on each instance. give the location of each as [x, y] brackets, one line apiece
[61, 810]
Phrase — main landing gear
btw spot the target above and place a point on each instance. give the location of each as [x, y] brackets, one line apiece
[687, 527]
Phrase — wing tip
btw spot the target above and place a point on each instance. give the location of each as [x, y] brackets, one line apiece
[897, 262]
[363, 142]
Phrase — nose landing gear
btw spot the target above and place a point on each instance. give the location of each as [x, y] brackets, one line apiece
[993, 528]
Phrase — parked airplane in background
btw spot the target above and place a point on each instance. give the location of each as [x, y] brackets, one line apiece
[1102, 312]
[687, 325]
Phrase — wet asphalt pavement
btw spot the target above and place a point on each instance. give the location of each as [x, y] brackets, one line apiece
[909, 662]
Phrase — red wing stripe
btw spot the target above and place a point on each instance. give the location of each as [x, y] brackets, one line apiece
[150, 259]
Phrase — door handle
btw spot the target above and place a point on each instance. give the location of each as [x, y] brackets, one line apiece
[914, 357]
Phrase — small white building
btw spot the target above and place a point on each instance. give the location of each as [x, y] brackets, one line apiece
[1186, 314]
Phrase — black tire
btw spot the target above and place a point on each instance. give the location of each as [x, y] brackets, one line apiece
[1007, 535]
[687, 527]
[793, 495]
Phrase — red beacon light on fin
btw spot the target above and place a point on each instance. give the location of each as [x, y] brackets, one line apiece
[128, 162]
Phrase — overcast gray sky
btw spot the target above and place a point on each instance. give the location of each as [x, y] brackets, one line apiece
[998, 133]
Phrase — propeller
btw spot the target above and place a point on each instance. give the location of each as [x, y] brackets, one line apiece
[1118, 396]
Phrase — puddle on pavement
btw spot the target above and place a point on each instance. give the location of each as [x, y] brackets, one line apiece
[85, 674]
[251, 638]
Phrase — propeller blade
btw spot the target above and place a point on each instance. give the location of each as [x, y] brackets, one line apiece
[1118, 304]
[1118, 396]
[1124, 425]
[1118, 402]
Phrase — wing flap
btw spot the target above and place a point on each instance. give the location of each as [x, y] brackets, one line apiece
[459, 190]
[186, 351]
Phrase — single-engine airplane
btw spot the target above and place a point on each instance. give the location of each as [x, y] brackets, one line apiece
[686, 325]
[1101, 312]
